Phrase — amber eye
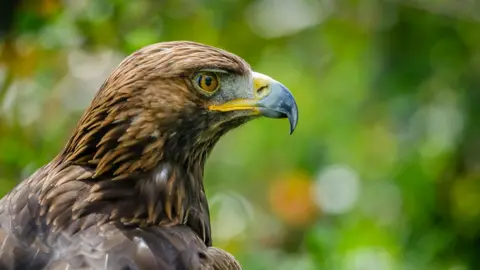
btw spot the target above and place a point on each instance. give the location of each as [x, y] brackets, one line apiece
[207, 81]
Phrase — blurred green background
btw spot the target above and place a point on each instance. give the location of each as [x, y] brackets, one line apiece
[383, 171]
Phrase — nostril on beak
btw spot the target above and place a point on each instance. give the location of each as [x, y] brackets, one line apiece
[262, 91]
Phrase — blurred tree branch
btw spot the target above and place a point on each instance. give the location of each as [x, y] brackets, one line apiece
[7, 81]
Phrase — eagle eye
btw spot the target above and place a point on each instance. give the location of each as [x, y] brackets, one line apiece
[207, 82]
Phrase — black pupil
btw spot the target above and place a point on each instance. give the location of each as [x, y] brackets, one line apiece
[208, 80]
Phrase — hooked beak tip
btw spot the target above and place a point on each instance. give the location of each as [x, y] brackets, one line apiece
[280, 103]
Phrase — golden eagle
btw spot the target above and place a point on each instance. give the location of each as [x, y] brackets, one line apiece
[126, 191]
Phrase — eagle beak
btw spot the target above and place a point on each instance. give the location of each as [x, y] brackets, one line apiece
[275, 100]
[270, 99]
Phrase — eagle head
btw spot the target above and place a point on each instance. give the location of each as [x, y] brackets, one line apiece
[177, 99]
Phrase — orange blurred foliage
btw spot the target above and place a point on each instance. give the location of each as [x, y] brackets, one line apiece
[291, 199]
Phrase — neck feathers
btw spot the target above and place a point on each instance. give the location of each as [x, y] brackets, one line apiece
[128, 171]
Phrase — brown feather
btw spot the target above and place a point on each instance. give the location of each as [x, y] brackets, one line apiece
[129, 181]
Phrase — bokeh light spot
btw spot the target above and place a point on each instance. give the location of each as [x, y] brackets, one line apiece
[336, 189]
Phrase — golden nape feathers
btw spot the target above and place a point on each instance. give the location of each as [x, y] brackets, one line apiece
[126, 192]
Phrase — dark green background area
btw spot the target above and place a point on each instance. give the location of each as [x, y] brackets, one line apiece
[389, 100]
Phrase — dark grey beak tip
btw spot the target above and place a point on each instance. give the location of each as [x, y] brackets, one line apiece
[293, 116]
[293, 123]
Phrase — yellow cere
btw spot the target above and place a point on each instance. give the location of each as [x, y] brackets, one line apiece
[260, 85]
